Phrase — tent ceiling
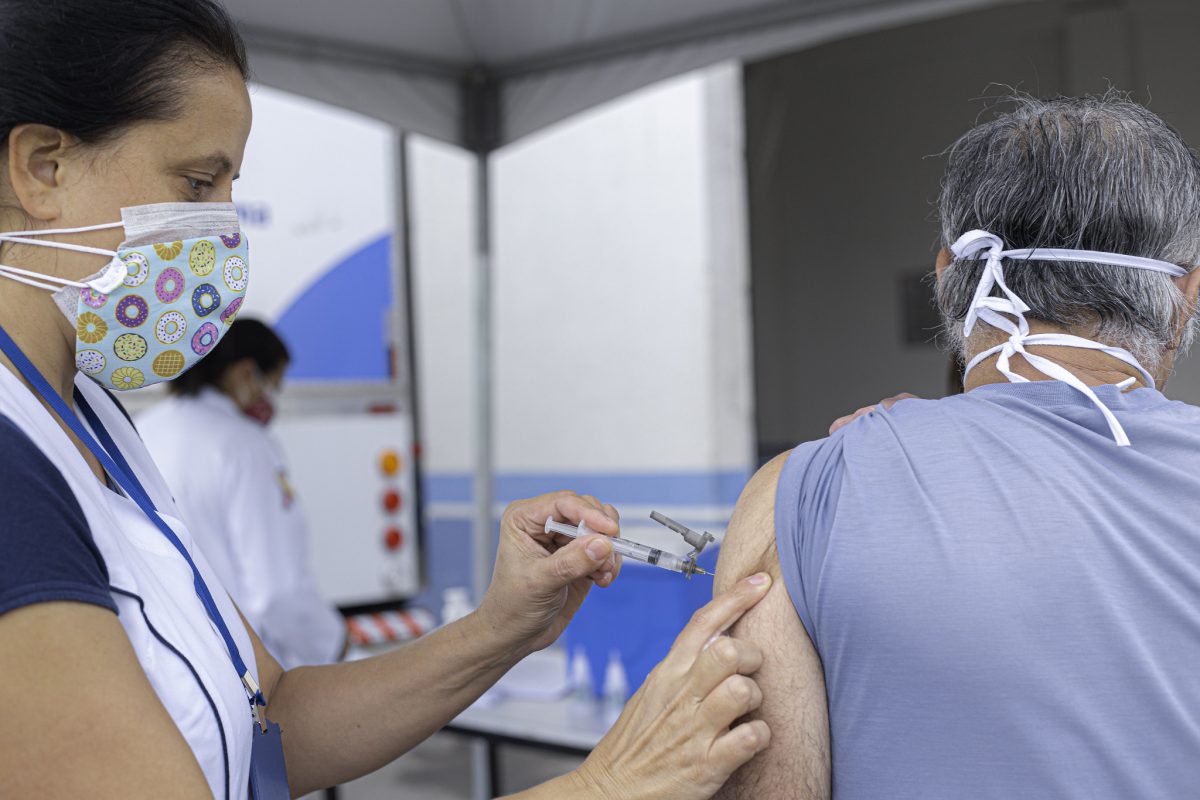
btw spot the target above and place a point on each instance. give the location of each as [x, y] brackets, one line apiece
[406, 61]
[457, 34]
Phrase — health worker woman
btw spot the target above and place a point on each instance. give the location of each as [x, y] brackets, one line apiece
[126, 671]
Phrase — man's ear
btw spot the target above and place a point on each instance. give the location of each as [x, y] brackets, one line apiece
[1190, 286]
[943, 260]
[35, 159]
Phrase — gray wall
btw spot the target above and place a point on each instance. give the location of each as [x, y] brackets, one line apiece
[841, 149]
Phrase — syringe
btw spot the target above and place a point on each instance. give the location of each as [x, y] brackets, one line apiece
[638, 552]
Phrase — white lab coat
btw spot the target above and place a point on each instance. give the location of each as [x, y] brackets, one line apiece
[230, 481]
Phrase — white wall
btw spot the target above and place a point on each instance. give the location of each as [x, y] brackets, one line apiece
[607, 231]
[442, 218]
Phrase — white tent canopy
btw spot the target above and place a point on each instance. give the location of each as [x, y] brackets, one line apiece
[482, 73]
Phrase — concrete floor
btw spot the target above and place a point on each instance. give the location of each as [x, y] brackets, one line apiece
[440, 769]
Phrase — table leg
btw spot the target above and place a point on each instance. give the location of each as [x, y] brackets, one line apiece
[494, 761]
[483, 769]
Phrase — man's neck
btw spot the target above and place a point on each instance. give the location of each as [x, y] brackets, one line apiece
[1093, 367]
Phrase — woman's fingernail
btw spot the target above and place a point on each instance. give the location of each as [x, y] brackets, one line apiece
[606, 577]
[758, 579]
[597, 548]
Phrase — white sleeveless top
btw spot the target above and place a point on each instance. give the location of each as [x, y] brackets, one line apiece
[179, 648]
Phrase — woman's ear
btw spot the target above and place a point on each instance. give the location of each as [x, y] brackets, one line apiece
[35, 159]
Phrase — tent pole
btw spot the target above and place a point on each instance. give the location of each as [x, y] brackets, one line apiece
[483, 530]
[481, 134]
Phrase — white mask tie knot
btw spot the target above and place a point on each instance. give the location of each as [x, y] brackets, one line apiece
[1007, 313]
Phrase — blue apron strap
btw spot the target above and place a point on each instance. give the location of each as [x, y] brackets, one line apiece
[106, 440]
[124, 476]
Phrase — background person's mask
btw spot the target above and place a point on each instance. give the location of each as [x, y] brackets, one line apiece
[165, 299]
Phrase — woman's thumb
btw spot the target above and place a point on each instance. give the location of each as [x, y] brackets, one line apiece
[577, 560]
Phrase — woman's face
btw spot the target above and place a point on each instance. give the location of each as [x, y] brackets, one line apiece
[193, 158]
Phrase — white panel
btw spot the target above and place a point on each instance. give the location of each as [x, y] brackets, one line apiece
[442, 188]
[602, 314]
[336, 470]
[728, 267]
[316, 185]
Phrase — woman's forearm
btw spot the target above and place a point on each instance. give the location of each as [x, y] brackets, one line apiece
[344, 720]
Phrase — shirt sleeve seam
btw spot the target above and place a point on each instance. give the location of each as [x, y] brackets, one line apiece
[52, 591]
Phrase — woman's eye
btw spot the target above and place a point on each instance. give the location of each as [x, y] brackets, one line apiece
[198, 186]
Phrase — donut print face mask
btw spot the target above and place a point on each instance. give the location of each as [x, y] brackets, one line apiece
[164, 300]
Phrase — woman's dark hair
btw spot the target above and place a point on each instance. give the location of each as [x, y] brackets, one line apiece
[93, 67]
[246, 338]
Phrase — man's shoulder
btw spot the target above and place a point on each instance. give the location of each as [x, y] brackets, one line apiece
[910, 413]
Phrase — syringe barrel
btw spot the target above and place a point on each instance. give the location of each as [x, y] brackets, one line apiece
[624, 547]
[638, 552]
[648, 555]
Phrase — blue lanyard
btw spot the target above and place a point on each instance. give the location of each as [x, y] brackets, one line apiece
[127, 480]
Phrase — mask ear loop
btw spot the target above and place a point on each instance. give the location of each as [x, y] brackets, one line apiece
[60, 231]
[28, 277]
[78, 248]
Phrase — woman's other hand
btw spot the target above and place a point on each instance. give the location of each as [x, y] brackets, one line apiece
[677, 737]
[887, 402]
[540, 579]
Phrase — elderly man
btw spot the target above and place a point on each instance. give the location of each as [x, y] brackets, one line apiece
[997, 594]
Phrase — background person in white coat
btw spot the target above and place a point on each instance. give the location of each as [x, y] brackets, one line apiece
[229, 477]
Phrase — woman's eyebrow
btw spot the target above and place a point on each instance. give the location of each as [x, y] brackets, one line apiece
[218, 163]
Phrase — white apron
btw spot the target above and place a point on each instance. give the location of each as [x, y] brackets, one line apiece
[177, 645]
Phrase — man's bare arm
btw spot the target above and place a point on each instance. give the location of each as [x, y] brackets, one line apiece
[796, 765]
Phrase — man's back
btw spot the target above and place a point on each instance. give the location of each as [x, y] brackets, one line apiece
[1005, 602]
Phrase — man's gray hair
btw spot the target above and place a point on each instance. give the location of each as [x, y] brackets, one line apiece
[1086, 173]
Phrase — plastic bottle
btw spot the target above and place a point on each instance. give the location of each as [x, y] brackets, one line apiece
[456, 604]
[582, 697]
[616, 688]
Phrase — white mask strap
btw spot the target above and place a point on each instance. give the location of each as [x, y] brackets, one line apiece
[85, 229]
[992, 310]
[49, 282]
[28, 237]
[28, 278]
